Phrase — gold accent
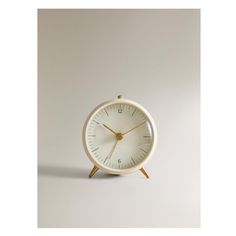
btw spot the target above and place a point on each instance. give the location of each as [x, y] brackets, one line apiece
[144, 172]
[119, 136]
[93, 171]
[109, 129]
[113, 148]
[134, 128]
[119, 96]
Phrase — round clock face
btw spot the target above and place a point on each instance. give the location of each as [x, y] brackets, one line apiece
[119, 136]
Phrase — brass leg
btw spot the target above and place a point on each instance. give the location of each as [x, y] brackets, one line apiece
[93, 171]
[144, 172]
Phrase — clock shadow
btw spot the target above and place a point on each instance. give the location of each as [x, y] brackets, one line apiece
[55, 171]
[62, 172]
[102, 175]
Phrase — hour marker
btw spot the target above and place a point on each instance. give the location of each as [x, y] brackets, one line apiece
[91, 135]
[96, 122]
[133, 160]
[106, 159]
[119, 162]
[143, 150]
[106, 112]
[94, 150]
[147, 136]
[120, 110]
[134, 111]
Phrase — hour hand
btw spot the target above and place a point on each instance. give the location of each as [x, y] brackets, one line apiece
[109, 128]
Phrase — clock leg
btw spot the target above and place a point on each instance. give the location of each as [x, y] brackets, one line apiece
[144, 172]
[93, 171]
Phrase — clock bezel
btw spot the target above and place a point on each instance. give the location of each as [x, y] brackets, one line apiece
[104, 167]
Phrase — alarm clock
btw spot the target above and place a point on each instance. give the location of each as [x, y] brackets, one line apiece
[119, 137]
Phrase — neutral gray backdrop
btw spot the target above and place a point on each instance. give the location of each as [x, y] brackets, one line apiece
[86, 57]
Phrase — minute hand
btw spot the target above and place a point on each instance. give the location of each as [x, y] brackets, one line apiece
[133, 128]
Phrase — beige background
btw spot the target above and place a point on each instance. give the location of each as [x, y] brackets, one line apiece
[88, 56]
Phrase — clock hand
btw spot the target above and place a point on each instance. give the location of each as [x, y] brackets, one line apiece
[109, 129]
[133, 128]
[113, 148]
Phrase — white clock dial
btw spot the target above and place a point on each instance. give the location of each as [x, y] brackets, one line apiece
[119, 136]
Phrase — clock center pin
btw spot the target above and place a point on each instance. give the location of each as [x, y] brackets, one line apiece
[119, 136]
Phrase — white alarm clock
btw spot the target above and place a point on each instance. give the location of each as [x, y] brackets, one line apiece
[119, 137]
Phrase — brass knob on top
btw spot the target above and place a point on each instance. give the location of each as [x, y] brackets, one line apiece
[119, 96]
